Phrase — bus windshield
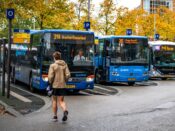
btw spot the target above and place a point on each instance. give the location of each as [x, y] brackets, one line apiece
[74, 52]
[164, 55]
[129, 51]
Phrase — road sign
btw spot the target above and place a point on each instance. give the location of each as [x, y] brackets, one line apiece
[22, 31]
[10, 13]
[157, 36]
[21, 36]
[87, 25]
[129, 32]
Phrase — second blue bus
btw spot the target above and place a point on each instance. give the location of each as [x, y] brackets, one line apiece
[122, 59]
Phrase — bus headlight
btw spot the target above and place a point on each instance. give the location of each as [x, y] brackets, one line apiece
[45, 78]
[70, 80]
[154, 72]
[145, 73]
[90, 78]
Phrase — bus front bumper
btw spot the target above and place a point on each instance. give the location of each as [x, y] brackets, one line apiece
[79, 85]
[129, 79]
[72, 85]
[162, 76]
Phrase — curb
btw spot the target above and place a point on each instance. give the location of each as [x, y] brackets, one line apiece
[46, 100]
[10, 110]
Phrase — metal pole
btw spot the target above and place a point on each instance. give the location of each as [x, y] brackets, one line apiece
[154, 26]
[3, 70]
[89, 7]
[154, 9]
[9, 59]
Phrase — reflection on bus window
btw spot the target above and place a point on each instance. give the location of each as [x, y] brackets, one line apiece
[164, 58]
[126, 52]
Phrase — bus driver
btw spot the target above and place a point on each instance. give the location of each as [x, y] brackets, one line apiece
[80, 56]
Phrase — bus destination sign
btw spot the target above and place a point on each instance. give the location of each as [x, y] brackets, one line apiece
[128, 41]
[69, 37]
[167, 48]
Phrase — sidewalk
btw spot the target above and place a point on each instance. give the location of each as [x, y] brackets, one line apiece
[2, 109]
[21, 102]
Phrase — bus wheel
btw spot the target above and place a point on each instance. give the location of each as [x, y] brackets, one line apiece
[76, 91]
[131, 83]
[164, 79]
[31, 86]
[97, 78]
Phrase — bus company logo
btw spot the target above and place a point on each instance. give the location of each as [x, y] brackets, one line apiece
[167, 48]
[131, 41]
[68, 37]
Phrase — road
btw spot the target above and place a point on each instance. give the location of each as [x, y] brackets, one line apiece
[138, 108]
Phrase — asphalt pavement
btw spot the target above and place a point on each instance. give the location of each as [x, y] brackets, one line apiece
[141, 107]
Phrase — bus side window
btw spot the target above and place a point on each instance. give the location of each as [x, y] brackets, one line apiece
[97, 51]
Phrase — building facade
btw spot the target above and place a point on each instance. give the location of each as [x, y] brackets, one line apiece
[151, 5]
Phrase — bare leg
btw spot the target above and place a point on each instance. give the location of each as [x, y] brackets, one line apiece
[54, 105]
[62, 103]
[63, 106]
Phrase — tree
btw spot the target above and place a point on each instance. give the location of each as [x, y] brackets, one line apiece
[81, 14]
[52, 13]
[107, 17]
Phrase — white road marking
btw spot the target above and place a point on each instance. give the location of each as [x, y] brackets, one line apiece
[97, 92]
[85, 93]
[103, 88]
[166, 105]
[22, 98]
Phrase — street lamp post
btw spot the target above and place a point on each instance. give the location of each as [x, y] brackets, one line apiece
[89, 6]
[154, 11]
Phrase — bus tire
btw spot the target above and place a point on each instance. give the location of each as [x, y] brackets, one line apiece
[131, 83]
[76, 91]
[97, 77]
[164, 79]
[32, 89]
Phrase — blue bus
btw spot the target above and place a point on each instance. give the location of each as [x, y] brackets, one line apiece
[30, 62]
[162, 59]
[122, 59]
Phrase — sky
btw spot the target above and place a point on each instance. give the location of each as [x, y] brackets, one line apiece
[131, 4]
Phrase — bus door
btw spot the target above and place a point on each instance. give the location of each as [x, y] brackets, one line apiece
[107, 58]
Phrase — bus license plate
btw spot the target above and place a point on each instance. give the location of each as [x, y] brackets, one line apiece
[70, 86]
[131, 79]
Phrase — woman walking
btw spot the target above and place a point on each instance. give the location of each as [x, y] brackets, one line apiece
[58, 75]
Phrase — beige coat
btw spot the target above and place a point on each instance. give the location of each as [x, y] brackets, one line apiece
[58, 74]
